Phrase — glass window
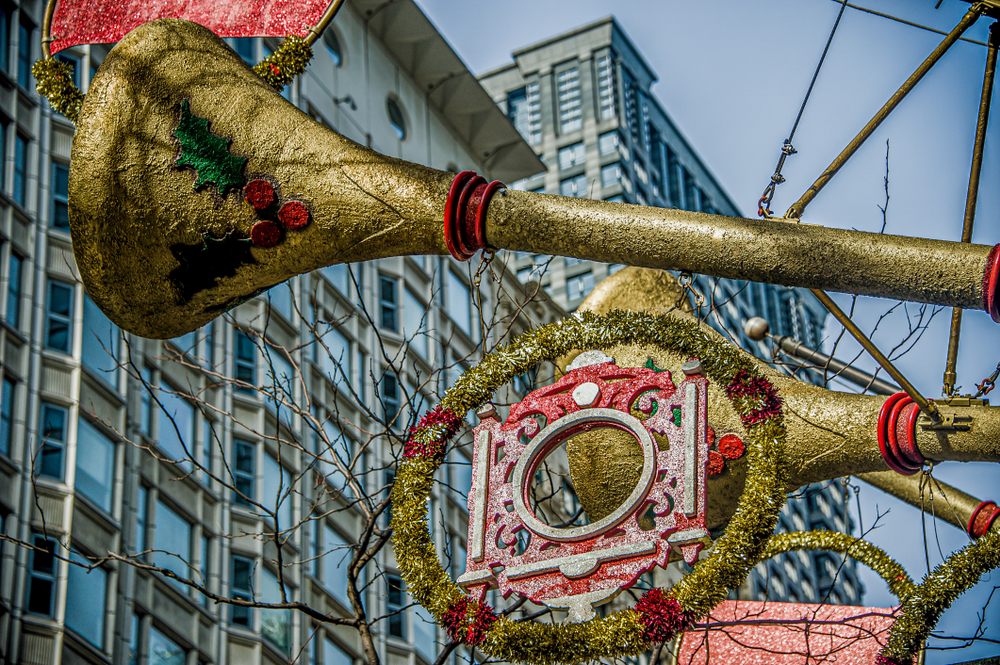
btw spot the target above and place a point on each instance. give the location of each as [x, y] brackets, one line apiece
[95, 464]
[414, 322]
[59, 316]
[389, 393]
[7, 415]
[74, 66]
[606, 87]
[203, 567]
[172, 542]
[388, 302]
[673, 176]
[20, 169]
[244, 471]
[394, 602]
[163, 650]
[244, 49]
[568, 90]
[611, 175]
[459, 303]
[14, 290]
[524, 108]
[424, 634]
[691, 201]
[332, 561]
[275, 625]
[460, 474]
[335, 359]
[617, 198]
[5, 38]
[42, 581]
[280, 299]
[334, 655]
[146, 397]
[246, 361]
[572, 155]
[24, 55]
[242, 589]
[133, 641]
[396, 118]
[276, 497]
[99, 346]
[575, 187]
[340, 273]
[608, 143]
[53, 425]
[60, 196]
[579, 286]
[175, 431]
[141, 519]
[333, 47]
[86, 600]
[339, 448]
[280, 383]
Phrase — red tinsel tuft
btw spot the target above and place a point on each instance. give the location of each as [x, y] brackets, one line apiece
[716, 463]
[732, 447]
[435, 448]
[711, 436]
[757, 389]
[662, 615]
[460, 629]
[882, 659]
[294, 215]
[265, 233]
[259, 193]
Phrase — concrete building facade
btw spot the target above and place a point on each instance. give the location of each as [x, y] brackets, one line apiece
[168, 453]
[583, 100]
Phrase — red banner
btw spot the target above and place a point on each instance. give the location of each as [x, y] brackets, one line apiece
[742, 632]
[107, 21]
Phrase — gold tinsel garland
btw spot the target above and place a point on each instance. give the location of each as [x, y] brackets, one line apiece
[861, 551]
[621, 633]
[55, 83]
[281, 67]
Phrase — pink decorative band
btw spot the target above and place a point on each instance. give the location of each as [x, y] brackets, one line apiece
[465, 214]
[897, 434]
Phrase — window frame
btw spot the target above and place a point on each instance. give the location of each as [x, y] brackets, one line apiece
[388, 298]
[50, 446]
[59, 198]
[243, 477]
[22, 155]
[65, 319]
[14, 286]
[35, 575]
[395, 588]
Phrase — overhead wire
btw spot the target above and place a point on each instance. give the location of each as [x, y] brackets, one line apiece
[905, 22]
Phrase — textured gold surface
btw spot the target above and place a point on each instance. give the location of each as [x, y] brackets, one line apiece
[935, 271]
[830, 434]
[129, 204]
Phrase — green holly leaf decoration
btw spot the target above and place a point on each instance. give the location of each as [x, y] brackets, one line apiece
[207, 153]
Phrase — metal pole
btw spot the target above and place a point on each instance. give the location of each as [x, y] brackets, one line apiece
[817, 360]
[970, 17]
[972, 197]
[317, 30]
[927, 407]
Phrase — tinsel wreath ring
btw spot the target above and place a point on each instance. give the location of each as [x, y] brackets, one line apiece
[660, 614]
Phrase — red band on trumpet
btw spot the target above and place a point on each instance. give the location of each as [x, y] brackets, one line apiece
[982, 519]
[897, 435]
[991, 284]
[465, 214]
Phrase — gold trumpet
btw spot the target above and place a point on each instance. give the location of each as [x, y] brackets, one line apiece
[195, 186]
[830, 434]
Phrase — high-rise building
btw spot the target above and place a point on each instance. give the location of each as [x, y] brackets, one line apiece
[175, 476]
[583, 100]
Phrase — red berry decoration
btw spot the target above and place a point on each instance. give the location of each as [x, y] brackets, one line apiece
[265, 233]
[716, 463]
[259, 194]
[711, 436]
[294, 215]
[732, 446]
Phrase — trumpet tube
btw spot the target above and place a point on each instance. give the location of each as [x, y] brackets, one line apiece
[175, 127]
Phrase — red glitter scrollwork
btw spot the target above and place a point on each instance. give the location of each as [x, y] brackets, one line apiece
[757, 390]
[662, 615]
[437, 425]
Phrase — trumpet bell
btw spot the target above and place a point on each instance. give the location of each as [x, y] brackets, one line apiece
[194, 186]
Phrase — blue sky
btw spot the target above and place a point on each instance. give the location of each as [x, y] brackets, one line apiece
[732, 76]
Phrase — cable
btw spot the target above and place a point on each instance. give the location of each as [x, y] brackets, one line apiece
[764, 204]
[910, 23]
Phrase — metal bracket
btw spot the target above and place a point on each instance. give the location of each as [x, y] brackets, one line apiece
[952, 422]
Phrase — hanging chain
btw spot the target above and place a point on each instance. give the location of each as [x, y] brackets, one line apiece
[987, 384]
[764, 204]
